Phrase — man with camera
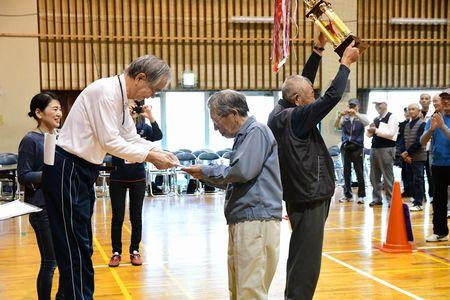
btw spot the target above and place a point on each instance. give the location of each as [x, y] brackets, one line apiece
[352, 124]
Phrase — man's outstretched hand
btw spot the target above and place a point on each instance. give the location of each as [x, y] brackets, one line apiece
[162, 159]
[194, 171]
[351, 55]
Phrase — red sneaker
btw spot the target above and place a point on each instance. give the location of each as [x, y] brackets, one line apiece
[136, 259]
[115, 260]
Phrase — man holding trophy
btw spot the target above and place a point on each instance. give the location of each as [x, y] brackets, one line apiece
[305, 164]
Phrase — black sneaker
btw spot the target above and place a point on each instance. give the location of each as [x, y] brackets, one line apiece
[373, 203]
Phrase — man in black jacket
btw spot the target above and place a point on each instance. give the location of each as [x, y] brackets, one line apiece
[306, 167]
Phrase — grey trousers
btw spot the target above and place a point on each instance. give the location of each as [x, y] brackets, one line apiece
[305, 248]
[382, 164]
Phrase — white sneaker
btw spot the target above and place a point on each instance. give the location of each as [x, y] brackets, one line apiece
[437, 238]
[360, 200]
[415, 208]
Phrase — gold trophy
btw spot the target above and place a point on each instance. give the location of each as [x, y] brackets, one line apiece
[335, 30]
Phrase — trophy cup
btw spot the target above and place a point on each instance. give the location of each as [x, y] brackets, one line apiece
[335, 30]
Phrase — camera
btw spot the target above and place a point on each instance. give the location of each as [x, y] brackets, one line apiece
[138, 108]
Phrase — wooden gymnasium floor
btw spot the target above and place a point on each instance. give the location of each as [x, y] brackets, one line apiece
[184, 249]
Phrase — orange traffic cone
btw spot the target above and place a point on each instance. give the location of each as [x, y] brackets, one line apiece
[397, 239]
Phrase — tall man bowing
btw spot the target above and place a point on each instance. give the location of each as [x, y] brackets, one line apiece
[306, 167]
[98, 123]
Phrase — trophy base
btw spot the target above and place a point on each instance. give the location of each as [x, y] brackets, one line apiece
[358, 44]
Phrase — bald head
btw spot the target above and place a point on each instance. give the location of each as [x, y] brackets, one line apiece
[425, 100]
[298, 90]
[413, 111]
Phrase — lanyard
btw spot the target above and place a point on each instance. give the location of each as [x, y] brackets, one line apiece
[121, 91]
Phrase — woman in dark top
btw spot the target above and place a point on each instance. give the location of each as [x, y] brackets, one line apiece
[46, 110]
[128, 175]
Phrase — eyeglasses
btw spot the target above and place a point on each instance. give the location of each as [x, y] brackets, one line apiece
[216, 119]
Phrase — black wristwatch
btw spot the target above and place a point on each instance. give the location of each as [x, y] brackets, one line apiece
[318, 49]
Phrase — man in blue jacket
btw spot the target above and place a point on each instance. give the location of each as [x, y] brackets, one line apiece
[352, 123]
[253, 195]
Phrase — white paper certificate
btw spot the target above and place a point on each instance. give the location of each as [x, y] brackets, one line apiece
[16, 208]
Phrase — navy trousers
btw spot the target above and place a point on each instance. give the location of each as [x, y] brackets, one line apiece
[415, 181]
[69, 195]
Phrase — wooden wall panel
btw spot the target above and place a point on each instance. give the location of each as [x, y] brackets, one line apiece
[403, 56]
[81, 41]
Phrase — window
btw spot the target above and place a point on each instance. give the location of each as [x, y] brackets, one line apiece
[260, 107]
[185, 120]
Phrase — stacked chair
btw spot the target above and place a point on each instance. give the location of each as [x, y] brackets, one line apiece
[8, 176]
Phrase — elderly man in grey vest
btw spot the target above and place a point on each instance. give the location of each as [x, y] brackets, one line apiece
[414, 154]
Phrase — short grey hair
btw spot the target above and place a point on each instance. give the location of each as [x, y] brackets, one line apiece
[154, 68]
[425, 95]
[291, 87]
[223, 102]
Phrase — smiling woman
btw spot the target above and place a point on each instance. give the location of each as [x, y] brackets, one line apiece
[46, 110]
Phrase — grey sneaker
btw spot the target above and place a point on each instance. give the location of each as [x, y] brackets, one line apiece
[360, 200]
[415, 208]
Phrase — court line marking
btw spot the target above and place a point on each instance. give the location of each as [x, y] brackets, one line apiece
[377, 250]
[435, 247]
[411, 269]
[433, 257]
[116, 276]
[362, 227]
[121, 265]
[173, 279]
[368, 275]
[355, 231]
[351, 251]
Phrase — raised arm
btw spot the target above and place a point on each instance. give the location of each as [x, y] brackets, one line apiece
[306, 117]
[312, 64]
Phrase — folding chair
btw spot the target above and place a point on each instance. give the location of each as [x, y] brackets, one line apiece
[8, 176]
[208, 158]
[191, 186]
[103, 174]
[335, 154]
